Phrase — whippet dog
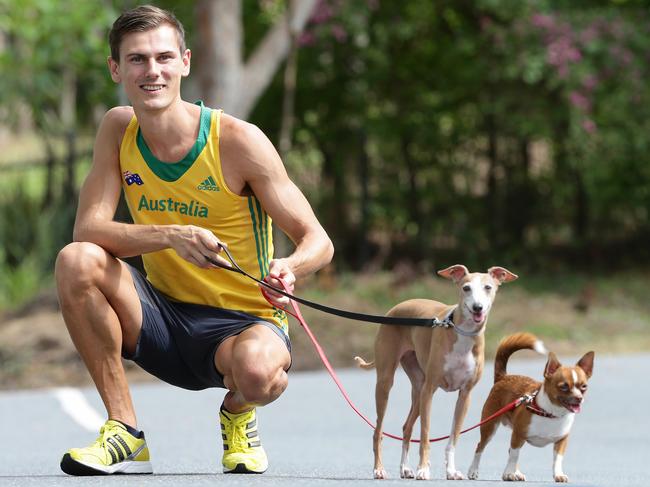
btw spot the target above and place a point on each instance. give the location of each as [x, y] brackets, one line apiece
[450, 358]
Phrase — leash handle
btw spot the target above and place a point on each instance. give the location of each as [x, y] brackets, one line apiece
[380, 319]
[321, 353]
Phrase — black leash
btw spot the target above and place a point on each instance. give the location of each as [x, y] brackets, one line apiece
[385, 320]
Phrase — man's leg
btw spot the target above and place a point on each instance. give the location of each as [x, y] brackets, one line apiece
[253, 365]
[103, 314]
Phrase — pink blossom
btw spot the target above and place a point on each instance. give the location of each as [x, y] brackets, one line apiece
[590, 82]
[589, 126]
[322, 13]
[543, 21]
[580, 101]
[339, 33]
[306, 38]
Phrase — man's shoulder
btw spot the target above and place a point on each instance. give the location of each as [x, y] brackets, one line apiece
[240, 131]
[118, 118]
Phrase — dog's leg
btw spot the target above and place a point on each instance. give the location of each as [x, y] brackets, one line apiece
[424, 467]
[512, 468]
[462, 403]
[558, 456]
[487, 432]
[386, 364]
[416, 376]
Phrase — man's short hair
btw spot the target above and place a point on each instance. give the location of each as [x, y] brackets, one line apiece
[141, 19]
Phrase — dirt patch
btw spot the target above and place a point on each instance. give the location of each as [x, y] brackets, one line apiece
[36, 350]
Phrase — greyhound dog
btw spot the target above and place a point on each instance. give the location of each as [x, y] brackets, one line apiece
[447, 358]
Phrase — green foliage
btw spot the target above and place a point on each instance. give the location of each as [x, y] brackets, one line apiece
[495, 129]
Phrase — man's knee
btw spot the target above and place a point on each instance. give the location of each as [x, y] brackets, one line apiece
[79, 265]
[260, 383]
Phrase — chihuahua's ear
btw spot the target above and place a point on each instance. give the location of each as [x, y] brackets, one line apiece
[586, 363]
[502, 274]
[455, 272]
[552, 365]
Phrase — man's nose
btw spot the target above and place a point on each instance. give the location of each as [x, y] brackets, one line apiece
[153, 68]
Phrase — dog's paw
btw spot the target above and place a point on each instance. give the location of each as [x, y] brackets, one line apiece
[406, 472]
[515, 476]
[455, 475]
[561, 478]
[472, 474]
[380, 474]
[423, 473]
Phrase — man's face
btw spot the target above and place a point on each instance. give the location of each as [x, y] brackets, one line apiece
[151, 67]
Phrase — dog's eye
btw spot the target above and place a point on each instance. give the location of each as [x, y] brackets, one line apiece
[467, 288]
[563, 387]
[583, 387]
[488, 287]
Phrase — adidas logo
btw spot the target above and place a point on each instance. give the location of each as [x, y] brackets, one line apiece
[208, 185]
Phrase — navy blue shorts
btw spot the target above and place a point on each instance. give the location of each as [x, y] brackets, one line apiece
[178, 340]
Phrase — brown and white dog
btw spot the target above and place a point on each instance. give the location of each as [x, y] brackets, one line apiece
[447, 358]
[547, 419]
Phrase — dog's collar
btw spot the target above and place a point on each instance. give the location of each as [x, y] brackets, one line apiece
[449, 323]
[534, 408]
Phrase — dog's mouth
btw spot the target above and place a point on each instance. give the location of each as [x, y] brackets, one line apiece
[573, 404]
[478, 317]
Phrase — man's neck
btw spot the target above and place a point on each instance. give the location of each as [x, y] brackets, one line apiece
[169, 132]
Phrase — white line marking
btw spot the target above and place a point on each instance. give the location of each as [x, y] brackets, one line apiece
[76, 406]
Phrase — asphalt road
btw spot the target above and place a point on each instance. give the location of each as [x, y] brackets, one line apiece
[314, 438]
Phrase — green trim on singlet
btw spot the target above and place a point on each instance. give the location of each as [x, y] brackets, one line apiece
[260, 245]
[172, 171]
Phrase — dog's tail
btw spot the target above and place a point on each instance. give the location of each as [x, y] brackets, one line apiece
[363, 364]
[509, 345]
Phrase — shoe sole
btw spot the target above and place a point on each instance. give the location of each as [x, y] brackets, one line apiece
[241, 468]
[73, 467]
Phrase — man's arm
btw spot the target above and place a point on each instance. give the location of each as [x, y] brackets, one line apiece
[263, 171]
[99, 197]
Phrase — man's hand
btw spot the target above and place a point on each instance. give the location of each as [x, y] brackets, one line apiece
[279, 269]
[197, 245]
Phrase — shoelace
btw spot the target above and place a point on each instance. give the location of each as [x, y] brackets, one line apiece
[237, 430]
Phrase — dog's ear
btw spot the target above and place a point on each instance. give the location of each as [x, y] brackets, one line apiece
[586, 363]
[502, 274]
[551, 365]
[455, 272]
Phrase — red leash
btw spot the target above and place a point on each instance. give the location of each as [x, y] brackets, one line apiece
[298, 316]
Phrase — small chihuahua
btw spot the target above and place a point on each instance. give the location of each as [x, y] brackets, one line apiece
[547, 418]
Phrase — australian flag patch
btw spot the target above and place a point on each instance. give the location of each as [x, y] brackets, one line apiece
[131, 178]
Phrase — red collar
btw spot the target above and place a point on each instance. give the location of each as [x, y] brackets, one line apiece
[534, 408]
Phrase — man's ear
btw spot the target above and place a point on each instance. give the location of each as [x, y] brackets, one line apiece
[186, 57]
[455, 272]
[114, 68]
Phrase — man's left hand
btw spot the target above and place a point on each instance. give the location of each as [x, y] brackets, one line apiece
[279, 270]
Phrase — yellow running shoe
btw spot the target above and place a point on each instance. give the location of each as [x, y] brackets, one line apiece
[114, 451]
[242, 449]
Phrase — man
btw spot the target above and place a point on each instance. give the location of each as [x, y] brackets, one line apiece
[195, 180]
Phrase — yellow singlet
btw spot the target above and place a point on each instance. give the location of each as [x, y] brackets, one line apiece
[193, 192]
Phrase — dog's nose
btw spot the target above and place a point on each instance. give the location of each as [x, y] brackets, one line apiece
[477, 307]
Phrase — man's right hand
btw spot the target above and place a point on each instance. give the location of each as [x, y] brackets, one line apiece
[197, 245]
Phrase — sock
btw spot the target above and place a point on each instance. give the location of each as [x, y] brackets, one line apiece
[132, 430]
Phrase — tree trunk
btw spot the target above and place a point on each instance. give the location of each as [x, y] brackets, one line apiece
[219, 24]
[225, 81]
